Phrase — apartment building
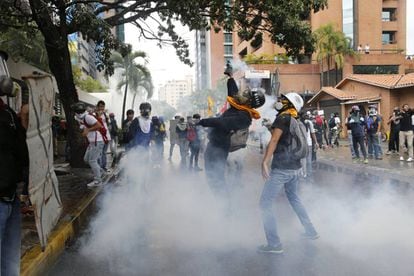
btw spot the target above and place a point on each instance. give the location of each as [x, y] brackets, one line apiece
[377, 24]
[172, 91]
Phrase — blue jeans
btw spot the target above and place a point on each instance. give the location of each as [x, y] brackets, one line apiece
[102, 161]
[289, 180]
[10, 237]
[374, 148]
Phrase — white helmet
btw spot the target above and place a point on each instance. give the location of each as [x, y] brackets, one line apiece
[295, 99]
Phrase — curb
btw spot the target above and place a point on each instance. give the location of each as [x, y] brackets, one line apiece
[37, 262]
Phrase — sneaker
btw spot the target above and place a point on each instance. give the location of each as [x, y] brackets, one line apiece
[388, 152]
[312, 236]
[410, 159]
[94, 184]
[401, 158]
[270, 249]
[378, 158]
[365, 161]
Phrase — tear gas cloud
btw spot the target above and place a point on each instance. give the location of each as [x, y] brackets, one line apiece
[152, 217]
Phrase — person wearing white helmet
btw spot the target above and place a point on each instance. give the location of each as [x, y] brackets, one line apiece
[285, 169]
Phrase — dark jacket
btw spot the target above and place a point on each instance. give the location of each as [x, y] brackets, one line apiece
[231, 119]
[13, 151]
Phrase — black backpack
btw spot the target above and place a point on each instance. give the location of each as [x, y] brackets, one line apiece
[298, 148]
[332, 123]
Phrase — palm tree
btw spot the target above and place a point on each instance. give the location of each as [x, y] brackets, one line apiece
[332, 44]
[134, 75]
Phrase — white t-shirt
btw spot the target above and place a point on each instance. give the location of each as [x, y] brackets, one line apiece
[103, 118]
[310, 129]
[93, 135]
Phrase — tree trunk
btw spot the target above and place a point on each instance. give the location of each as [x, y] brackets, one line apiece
[60, 66]
[322, 84]
[124, 102]
[329, 67]
[133, 100]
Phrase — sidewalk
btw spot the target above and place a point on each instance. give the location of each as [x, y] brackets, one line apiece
[77, 202]
[390, 167]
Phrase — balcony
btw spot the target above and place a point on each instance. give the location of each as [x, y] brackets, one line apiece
[390, 26]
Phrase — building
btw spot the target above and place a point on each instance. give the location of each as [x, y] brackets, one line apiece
[385, 91]
[380, 24]
[174, 90]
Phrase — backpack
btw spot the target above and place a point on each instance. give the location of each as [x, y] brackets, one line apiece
[318, 121]
[238, 139]
[332, 123]
[191, 134]
[298, 148]
[102, 130]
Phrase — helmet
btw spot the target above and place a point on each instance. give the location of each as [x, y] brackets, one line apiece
[78, 107]
[372, 106]
[295, 99]
[355, 108]
[256, 98]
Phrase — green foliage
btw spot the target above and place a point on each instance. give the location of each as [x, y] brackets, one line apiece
[87, 84]
[25, 45]
[266, 59]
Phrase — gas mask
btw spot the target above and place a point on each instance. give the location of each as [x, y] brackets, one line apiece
[80, 116]
[282, 104]
[373, 112]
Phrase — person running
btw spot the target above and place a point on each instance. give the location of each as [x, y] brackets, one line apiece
[284, 173]
[356, 123]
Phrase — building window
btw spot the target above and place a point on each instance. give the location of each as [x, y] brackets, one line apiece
[348, 19]
[228, 38]
[375, 69]
[228, 50]
[388, 15]
[388, 38]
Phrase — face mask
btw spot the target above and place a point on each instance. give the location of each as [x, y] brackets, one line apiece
[145, 112]
[80, 116]
[281, 105]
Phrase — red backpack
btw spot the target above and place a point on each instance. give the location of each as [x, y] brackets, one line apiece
[102, 130]
[191, 134]
[319, 121]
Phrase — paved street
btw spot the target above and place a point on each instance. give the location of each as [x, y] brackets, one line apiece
[173, 225]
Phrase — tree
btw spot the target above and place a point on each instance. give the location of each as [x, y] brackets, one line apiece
[333, 46]
[283, 20]
[134, 75]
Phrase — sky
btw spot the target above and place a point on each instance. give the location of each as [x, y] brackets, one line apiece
[163, 63]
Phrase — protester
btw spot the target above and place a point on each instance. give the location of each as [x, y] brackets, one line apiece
[406, 132]
[14, 164]
[125, 127]
[373, 128]
[104, 119]
[284, 172]
[113, 143]
[350, 141]
[334, 125]
[158, 136]
[394, 140]
[140, 130]
[312, 144]
[181, 130]
[90, 129]
[356, 123]
[238, 116]
[195, 142]
[173, 135]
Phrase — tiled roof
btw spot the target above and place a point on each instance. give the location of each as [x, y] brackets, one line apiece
[406, 81]
[364, 99]
[385, 81]
[339, 94]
